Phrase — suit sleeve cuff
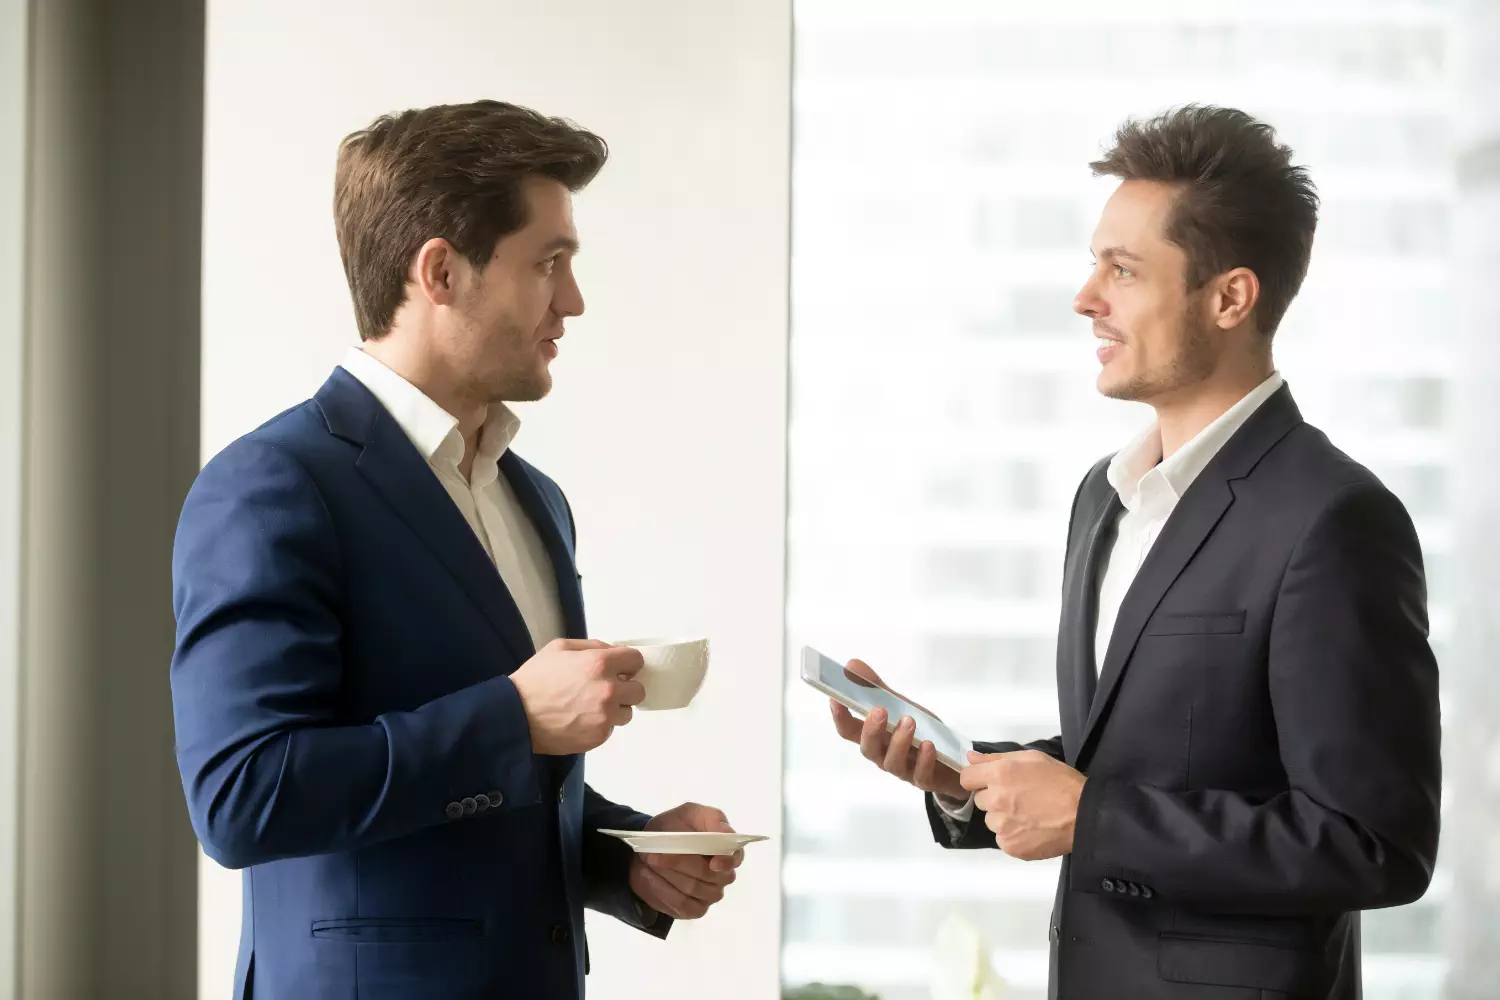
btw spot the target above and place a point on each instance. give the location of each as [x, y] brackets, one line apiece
[959, 810]
[1086, 845]
[484, 740]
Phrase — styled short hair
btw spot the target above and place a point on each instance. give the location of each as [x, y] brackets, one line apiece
[453, 171]
[1241, 202]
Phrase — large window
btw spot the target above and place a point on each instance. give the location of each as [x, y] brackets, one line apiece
[943, 403]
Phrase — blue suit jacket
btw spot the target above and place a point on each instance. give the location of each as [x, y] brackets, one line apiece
[347, 732]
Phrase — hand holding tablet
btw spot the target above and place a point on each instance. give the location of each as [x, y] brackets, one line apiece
[862, 695]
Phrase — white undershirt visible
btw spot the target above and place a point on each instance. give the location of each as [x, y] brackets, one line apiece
[1150, 488]
[485, 499]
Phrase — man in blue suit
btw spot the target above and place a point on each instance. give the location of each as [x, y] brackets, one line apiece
[382, 687]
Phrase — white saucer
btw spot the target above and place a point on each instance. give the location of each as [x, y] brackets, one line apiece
[707, 843]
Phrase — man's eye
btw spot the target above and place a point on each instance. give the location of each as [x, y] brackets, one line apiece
[1122, 271]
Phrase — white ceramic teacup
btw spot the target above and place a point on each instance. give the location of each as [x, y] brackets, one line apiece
[673, 672]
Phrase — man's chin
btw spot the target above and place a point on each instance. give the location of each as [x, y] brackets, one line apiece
[1109, 384]
[1128, 390]
[528, 390]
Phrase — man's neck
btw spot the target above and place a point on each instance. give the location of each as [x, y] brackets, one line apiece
[429, 378]
[1183, 417]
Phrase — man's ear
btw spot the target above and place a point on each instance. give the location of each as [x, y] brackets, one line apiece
[1235, 297]
[433, 271]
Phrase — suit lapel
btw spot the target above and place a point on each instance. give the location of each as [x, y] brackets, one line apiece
[1189, 526]
[548, 521]
[1185, 531]
[1081, 601]
[394, 468]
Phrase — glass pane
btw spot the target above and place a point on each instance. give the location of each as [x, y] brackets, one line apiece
[943, 407]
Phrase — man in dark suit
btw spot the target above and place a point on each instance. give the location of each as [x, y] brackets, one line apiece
[382, 687]
[1250, 727]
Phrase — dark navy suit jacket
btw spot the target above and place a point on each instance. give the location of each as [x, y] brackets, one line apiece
[348, 734]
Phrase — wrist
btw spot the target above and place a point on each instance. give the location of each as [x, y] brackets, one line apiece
[525, 695]
[1077, 804]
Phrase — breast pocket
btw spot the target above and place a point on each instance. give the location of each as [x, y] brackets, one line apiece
[1197, 623]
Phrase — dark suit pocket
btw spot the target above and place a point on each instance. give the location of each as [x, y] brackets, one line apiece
[1247, 964]
[1200, 623]
[397, 930]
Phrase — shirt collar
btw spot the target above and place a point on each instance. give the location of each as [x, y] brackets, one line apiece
[1138, 466]
[432, 430]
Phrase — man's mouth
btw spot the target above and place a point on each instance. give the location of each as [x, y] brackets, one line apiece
[1108, 344]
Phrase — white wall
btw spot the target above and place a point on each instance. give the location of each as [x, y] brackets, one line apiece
[667, 428]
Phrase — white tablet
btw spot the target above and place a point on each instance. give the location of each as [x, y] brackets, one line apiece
[861, 697]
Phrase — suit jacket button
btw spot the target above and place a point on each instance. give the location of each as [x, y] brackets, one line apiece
[1121, 888]
[1135, 890]
[482, 801]
[1108, 885]
[1146, 892]
[562, 793]
[495, 796]
[560, 934]
[455, 810]
[470, 806]
[1054, 934]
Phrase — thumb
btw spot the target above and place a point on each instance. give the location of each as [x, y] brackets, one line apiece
[577, 645]
[863, 671]
[706, 818]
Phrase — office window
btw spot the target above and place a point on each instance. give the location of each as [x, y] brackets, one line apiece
[937, 437]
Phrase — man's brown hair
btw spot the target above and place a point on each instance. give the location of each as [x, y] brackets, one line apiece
[452, 171]
[1240, 201]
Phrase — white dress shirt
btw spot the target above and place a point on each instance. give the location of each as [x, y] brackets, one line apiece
[485, 499]
[1149, 488]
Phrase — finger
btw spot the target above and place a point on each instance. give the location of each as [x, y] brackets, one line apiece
[619, 660]
[924, 775]
[704, 818]
[860, 670]
[976, 777]
[844, 721]
[620, 715]
[898, 750]
[863, 671]
[728, 864]
[693, 888]
[577, 645]
[663, 862]
[695, 868]
[628, 692]
[675, 902]
[873, 737]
